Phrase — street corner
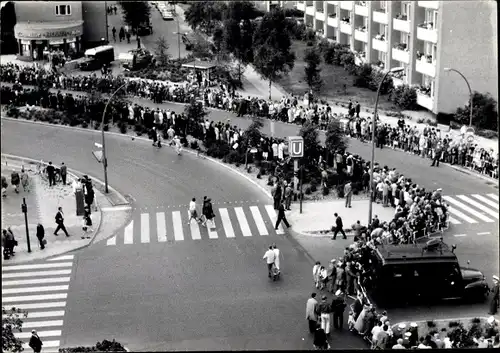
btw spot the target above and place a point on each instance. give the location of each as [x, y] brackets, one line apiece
[113, 219]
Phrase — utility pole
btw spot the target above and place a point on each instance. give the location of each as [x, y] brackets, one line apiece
[24, 208]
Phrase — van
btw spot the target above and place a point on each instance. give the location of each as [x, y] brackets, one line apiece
[96, 57]
[422, 272]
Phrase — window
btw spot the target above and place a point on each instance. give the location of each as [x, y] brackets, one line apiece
[406, 9]
[63, 10]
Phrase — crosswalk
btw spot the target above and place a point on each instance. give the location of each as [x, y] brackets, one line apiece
[473, 208]
[172, 226]
[41, 289]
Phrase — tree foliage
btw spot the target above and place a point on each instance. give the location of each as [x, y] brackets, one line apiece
[335, 137]
[484, 113]
[161, 51]
[309, 133]
[205, 15]
[405, 97]
[312, 69]
[252, 135]
[272, 55]
[135, 13]
[12, 320]
[195, 111]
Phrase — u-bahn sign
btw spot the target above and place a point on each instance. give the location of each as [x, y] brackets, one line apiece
[296, 146]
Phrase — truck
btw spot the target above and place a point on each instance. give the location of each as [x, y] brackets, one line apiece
[135, 59]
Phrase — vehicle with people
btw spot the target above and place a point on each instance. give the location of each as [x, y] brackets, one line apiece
[97, 57]
[427, 272]
[135, 59]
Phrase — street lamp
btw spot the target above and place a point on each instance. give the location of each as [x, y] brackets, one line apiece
[104, 159]
[374, 123]
[178, 33]
[448, 69]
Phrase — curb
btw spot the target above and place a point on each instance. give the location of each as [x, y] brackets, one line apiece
[473, 174]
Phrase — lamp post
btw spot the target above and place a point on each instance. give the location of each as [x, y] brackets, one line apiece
[374, 123]
[448, 69]
[24, 208]
[104, 159]
[178, 34]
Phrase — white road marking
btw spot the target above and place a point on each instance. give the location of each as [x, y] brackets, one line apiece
[468, 209]
[39, 314]
[493, 196]
[53, 333]
[212, 229]
[38, 324]
[486, 200]
[483, 233]
[128, 237]
[195, 230]
[36, 274]
[24, 282]
[111, 241]
[46, 344]
[226, 222]
[460, 235]
[36, 267]
[161, 227]
[34, 289]
[177, 221]
[115, 209]
[245, 228]
[38, 305]
[62, 258]
[461, 215]
[479, 206]
[259, 221]
[144, 228]
[453, 220]
[39, 297]
[272, 214]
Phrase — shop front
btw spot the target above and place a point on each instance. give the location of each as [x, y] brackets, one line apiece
[41, 41]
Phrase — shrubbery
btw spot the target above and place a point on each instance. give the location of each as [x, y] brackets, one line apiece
[404, 97]
[104, 346]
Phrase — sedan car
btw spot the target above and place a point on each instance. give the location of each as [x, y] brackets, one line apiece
[167, 15]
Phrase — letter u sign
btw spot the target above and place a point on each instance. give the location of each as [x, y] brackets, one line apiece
[296, 146]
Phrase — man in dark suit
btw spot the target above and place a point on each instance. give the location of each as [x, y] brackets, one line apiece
[338, 307]
[60, 222]
[358, 109]
[339, 227]
[64, 173]
[281, 216]
[51, 172]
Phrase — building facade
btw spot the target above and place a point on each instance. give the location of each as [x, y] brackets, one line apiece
[424, 37]
[68, 27]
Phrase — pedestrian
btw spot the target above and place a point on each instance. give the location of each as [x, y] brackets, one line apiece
[15, 180]
[348, 194]
[399, 344]
[40, 234]
[35, 342]
[288, 196]
[64, 173]
[320, 341]
[436, 155]
[338, 308]
[277, 195]
[51, 173]
[114, 33]
[121, 34]
[316, 268]
[277, 254]
[9, 242]
[60, 222]
[332, 276]
[178, 145]
[281, 216]
[312, 313]
[87, 224]
[208, 211]
[114, 9]
[270, 258]
[128, 37]
[5, 185]
[358, 109]
[324, 310]
[192, 214]
[339, 227]
[495, 299]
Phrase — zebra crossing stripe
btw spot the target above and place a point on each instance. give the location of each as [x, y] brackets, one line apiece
[62, 258]
[39, 305]
[34, 289]
[195, 230]
[145, 228]
[211, 229]
[493, 196]
[461, 215]
[36, 274]
[39, 314]
[242, 220]
[46, 344]
[486, 201]
[261, 226]
[479, 206]
[21, 335]
[33, 267]
[161, 227]
[39, 297]
[111, 241]
[272, 214]
[177, 222]
[226, 222]
[38, 324]
[129, 233]
[453, 220]
[468, 209]
[24, 282]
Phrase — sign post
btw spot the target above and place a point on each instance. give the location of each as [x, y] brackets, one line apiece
[24, 208]
[296, 151]
[470, 134]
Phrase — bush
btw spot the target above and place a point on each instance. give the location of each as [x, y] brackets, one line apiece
[123, 127]
[139, 128]
[431, 324]
[314, 187]
[489, 134]
[85, 124]
[484, 114]
[104, 346]
[405, 97]
[259, 176]
[308, 191]
[194, 145]
[232, 157]
[376, 77]
[326, 190]
[262, 171]
[340, 191]
[431, 123]
[218, 149]
[347, 60]
[13, 111]
[97, 125]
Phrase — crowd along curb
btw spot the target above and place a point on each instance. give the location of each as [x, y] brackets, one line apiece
[72, 173]
[493, 181]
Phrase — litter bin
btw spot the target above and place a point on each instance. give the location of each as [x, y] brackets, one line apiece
[80, 204]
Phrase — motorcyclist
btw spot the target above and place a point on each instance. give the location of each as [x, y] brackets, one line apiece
[270, 257]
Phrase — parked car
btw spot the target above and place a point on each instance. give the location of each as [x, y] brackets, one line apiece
[167, 15]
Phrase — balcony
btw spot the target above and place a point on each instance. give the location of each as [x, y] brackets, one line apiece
[333, 2]
[301, 5]
[346, 5]
[429, 4]
[310, 10]
[345, 27]
[361, 35]
[400, 53]
[359, 58]
[401, 23]
[425, 100]
[379, 43]
[361, 9]
[381, 17]
[427, 32]
[333, 20]
[425, 65]
[320, 15]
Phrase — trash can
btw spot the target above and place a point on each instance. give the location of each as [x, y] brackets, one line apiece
[80, 204]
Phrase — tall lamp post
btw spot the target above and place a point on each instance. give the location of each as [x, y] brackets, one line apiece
[448, 69]
[104, 159]
[178, 33]
[374, 123]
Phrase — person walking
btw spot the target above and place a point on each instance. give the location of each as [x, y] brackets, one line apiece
[40, 234]
[281, 216]
[277, 254]
[320, 341]
[192, 211]
[270, 258]
[339, 227]
[348, 194]
[114, 33]
[324, 310]
[51, 173]
[288, 196]
[338, 308]
[312, 313]
[87, 223]
[436, 155]
[495, 299]
[64, 173]
[35, 342]
[277, 196]
[208, 211]
[9, 242]
[25, 180]
[15, 180]
[121, 34]
[60, 222]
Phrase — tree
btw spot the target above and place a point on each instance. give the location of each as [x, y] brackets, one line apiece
[136, 14]
[7, 23]
[335, 137]
[309, 133]
[484, 114]
[272, 55]
[161, 51]
[12, 320]
[205, 15]
[195, 114]
[252, 135]
[312, 69]
[405, 97]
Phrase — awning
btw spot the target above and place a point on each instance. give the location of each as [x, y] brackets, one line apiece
[48, 30]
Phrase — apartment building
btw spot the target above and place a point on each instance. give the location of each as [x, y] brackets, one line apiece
[424, 37]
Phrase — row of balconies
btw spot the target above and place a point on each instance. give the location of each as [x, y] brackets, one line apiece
[361, 8]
